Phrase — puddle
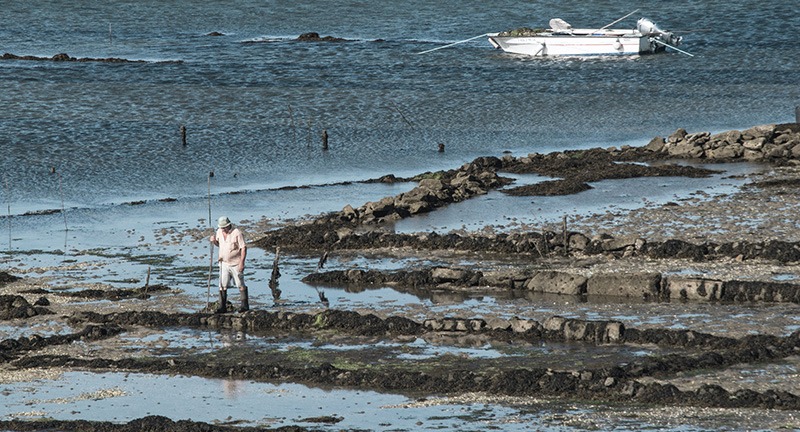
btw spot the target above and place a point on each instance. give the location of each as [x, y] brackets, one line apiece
[121, 397]
[780, 375]
[538, 212]
[429, 349]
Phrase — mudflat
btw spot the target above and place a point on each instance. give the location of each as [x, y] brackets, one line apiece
[671, 308]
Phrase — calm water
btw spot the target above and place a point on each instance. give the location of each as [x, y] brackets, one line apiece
[255, 102]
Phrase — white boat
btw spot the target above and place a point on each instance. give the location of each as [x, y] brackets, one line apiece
[563, 40]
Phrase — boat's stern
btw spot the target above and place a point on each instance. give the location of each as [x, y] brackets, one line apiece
[492, 41]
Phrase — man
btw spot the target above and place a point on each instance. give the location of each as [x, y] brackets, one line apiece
[232, 253]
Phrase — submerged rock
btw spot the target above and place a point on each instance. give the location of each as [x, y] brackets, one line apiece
[315, 37]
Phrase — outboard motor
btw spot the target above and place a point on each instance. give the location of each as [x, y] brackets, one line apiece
[558, 25]
[649, 28]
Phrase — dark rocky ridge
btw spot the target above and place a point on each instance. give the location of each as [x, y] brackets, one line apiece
[63, 57]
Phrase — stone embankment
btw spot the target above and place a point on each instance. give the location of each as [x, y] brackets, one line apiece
[641, 285]
[772, 143]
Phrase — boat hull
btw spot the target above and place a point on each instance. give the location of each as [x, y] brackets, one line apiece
[566, 45]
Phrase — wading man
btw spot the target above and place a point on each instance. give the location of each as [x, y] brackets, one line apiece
[232, 253]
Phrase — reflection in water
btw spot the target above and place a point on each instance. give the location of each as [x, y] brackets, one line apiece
[232, 389]
[232, 338]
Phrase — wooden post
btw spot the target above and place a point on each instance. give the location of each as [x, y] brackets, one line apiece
[147, 282]
[322, 260]
[545, 243]
[291, 122]
[276, 273]
[183, 135]
[566, 236]
[797, 114]
[324, 139]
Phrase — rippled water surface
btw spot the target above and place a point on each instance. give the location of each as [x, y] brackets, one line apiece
[255, 102]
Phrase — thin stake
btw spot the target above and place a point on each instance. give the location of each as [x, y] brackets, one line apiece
[147, 281]
[63, 209]
[211, 254]
[455, 43]
[321, 262]
[276, 274]
[308, 136]
[7, 188]
[291, 120]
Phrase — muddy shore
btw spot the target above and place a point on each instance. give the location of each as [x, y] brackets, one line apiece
[727, 253]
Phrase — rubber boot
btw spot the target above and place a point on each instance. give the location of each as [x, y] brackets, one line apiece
[222, 307]
[245, 301]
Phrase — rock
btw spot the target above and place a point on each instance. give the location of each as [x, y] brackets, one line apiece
[685, 149]
[773, 151]
[693, 288]
[349, 213]
[578, 241]
[15, 307]
[752, 155]
[730, 151]
[577, 330]
[62, 57]
[554, 323]
[522, 325]
[557, 283]
[419, 207]
[755, 144]
[618, 243]
[498, 324]
[381, 208]
[638, 285]
[656, 144]
[315, 37]
[431, 184]
[614, 332]
[677, 136]
[343, 233]
[7, 278]
[442, 274]
[697, 139]
[432, 324]
[784, 138]
[727, 138]
[762, 131]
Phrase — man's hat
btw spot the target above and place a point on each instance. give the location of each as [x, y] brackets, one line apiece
[223, 221]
